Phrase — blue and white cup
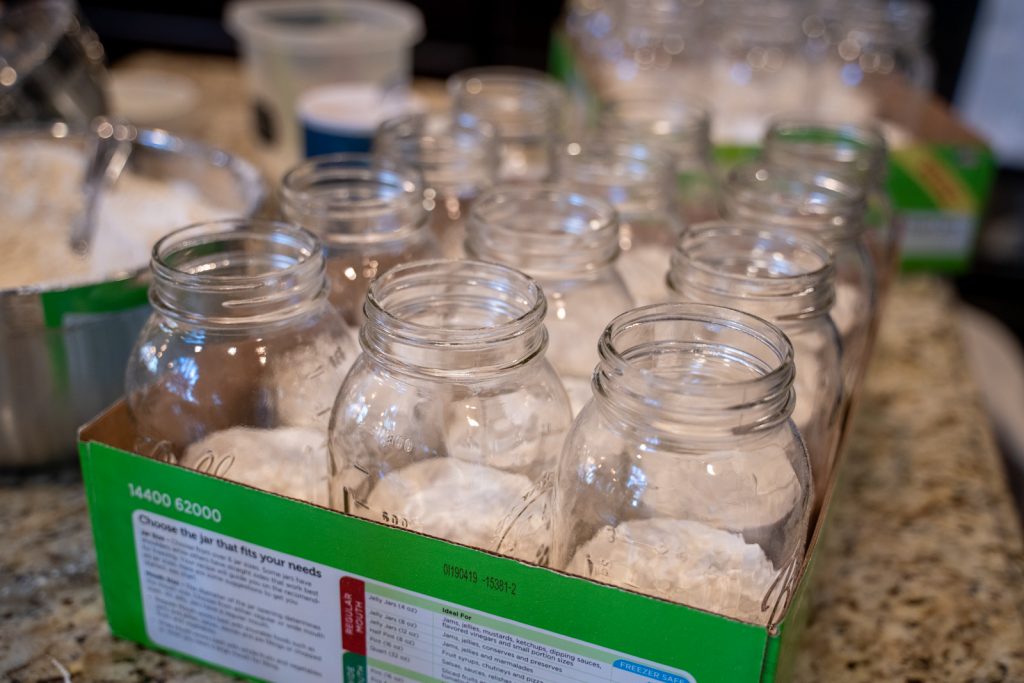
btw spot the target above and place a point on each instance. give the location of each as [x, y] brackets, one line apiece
[343, 117]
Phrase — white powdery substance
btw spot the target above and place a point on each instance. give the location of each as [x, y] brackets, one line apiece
[682, 561]
[747, 491]
[579, 390]
[40, 190]
[501, 431]
[290, 461]
[645, 270]
[461, 502]
[847, 313]
[809, 399]
[306, 381]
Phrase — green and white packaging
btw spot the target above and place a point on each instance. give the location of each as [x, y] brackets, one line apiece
[275, 589]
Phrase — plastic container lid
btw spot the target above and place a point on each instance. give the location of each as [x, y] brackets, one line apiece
[316, 25]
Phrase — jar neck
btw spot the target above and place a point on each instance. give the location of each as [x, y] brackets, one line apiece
[830, 208]
[237, 273]
[355, 199]
[635, 178]
[695, 372]
[543, 230]
[456, 320]
[765, 22]
[779, 275]
[855, 152]
[456, 153]
[522, 104]
[684, 126]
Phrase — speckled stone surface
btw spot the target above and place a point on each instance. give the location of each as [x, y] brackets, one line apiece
[920, 577]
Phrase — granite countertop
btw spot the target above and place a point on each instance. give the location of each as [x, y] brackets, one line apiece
[920, 571]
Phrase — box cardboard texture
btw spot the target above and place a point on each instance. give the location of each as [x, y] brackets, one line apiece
[276, 589]
[939, 184]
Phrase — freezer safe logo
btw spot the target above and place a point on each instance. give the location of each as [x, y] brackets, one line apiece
[652, 673]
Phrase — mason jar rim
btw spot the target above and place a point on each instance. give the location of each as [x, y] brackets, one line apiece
[766, 399]
[277, 290]
[852, 140]
[552, 251]
[307, 244]
[301, 202]
[795, 296]
[799, 196]
[470, 272]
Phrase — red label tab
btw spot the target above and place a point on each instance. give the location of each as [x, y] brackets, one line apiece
[353, 615]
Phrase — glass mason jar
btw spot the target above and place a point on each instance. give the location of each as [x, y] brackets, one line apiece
[758, 64]
[787, 278]
[236, 370]
[682, 127]
[568, 242]
[639, 182]
[369, 213]
[832, 211]
[877, 65]
[451, 420]
[684, 478]
[526, 107]
[458, 157]
[647, 43]
[857, 153]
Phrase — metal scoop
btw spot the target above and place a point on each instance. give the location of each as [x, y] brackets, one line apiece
[109, 149]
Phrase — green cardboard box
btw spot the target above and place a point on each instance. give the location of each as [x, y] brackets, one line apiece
[275, 589]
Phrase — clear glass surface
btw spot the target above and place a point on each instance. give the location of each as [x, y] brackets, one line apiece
[858, 154]
[679, 124]
[786, 278]
[684, 477]
[369, 213]
[236, 370]
[758, 63]
[526, 107]
[877, 65]
[569, 243]
[458, 157]
[451, 419]
[639, 181]
[831, 211]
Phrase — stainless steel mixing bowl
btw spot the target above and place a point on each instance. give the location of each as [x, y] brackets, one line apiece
[63, 350]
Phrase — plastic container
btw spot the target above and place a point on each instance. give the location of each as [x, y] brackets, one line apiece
[289, 46]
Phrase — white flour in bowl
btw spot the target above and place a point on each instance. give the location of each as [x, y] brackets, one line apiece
[40, 190]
